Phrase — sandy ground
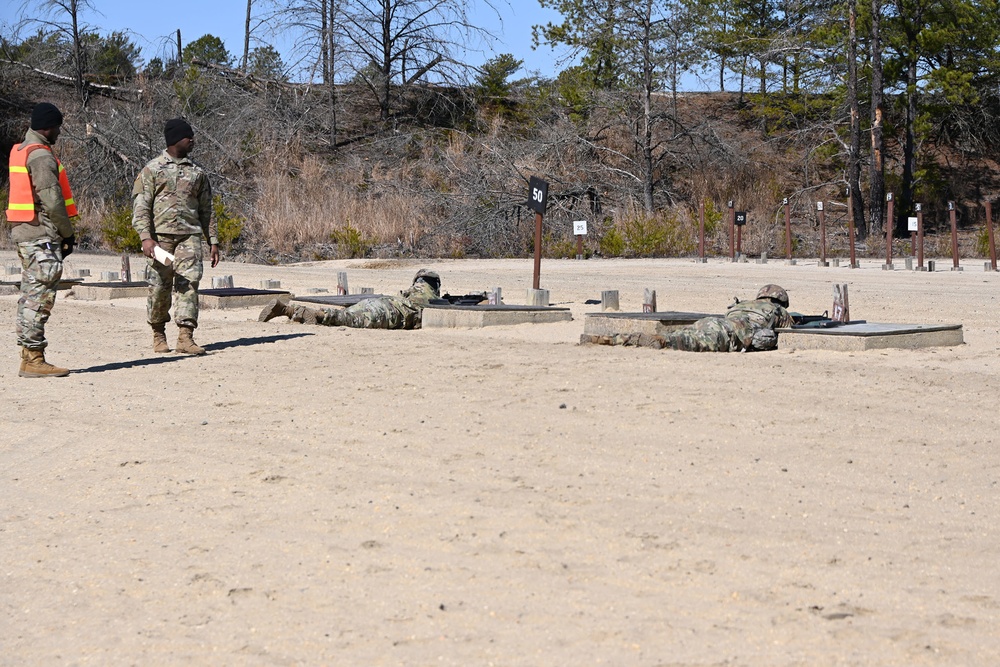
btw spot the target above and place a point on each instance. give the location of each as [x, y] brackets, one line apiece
[504, 496]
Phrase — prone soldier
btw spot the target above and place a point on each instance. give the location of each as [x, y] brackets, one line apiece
[386, 312]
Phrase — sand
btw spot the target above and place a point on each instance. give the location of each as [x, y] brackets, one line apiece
[504, 496]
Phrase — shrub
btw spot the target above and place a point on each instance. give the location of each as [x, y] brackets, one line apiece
[117, 230]
[351, 242]
[230, 225]
[612, 244]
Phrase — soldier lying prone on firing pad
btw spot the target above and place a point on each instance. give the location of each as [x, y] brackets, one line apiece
[386, 312]
[747, 326]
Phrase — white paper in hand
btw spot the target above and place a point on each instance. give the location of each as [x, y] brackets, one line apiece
[162, 256]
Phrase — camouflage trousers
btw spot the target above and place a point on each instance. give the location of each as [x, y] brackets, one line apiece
[41, 269]
[389, 312]
[181, 277]
[709, 334]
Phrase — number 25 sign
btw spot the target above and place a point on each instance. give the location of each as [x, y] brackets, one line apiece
[538, 194]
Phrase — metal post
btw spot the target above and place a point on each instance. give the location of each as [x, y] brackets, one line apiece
[920, 237]
[954, 235]
[989, 234]
[538, 251]
[739, 240]
[126, 268]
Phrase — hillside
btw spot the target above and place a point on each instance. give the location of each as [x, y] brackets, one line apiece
[300, 176]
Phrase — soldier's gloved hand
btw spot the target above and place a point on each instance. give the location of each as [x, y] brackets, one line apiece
[68, 244]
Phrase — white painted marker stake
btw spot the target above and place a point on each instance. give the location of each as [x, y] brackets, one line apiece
[162, 256]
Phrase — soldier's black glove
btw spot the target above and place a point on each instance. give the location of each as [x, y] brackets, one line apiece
[68, 244]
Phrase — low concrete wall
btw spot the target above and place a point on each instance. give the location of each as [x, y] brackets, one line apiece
[871, 336]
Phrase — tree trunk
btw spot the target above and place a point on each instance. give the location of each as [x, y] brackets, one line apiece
[79, 59]
[909, 146]
[246, 37]
[877, 167]
[854, 152]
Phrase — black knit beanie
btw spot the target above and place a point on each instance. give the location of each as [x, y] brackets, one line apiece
[45, 116]
[177, 129]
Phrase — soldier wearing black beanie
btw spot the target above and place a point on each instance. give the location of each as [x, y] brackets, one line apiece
[177, 129]
[45, 116]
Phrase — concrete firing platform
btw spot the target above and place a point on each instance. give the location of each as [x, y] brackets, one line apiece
[610, 324]
[224, 298]
[871, 336]
[342, 300]
[111, 290]
[474, 317]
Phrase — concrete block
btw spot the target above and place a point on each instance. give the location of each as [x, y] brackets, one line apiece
[609, 324]
[957, 268]
[110, 290]
[269, 284]
[790, 262]
[609, 300]
[367, 290]
[13, 269]
[318, 290]
[222, 282]
[931, 265]
[475, 317]
[538, 298]
[83, 273]
[888, 267]
[909, 263]
[822, 263]
[495, 297]
[871, 336]
[108, 276]
[701, 260]
[236, 297]
[835, 262]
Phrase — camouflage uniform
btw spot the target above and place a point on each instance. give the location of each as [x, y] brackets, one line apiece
[747, 326]
[172, 204]
[387, 312]
[39, 247]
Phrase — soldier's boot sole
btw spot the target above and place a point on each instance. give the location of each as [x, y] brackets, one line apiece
[277, 308]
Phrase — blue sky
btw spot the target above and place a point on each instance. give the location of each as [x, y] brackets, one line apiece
[153, 25]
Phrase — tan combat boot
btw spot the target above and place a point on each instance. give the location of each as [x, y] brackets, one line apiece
[280, 307]
[186, 344]
[160, 345]
[33, 365]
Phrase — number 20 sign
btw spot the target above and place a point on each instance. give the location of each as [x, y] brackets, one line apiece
[538, 194]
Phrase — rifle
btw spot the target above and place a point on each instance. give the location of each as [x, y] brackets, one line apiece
[800, 321]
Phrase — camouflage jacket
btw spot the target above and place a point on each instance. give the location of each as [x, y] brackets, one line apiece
[173, 196]
[53, 221]
[419, 294]
[750, 316]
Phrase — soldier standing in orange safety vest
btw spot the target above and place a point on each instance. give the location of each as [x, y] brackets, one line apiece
[40, 211]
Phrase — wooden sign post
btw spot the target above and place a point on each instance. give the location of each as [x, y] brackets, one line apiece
[788, 229]
[538, 195]
[732, 231]
[822, 234]
[579, 230]
[888, 231]
[954, 237]
[701, 231]
[126, 268]
[920, 237]
[739, 219]
[989, 236]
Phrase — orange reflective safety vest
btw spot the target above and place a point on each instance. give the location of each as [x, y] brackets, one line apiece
[21, 204]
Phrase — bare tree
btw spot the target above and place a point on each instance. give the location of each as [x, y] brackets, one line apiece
[391, 44]
[62, 17]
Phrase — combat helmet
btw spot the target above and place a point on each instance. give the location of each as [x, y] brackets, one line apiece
[775, 293]
[430, 277]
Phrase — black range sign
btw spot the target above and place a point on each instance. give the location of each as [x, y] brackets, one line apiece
[538, 194]
[741, 218]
